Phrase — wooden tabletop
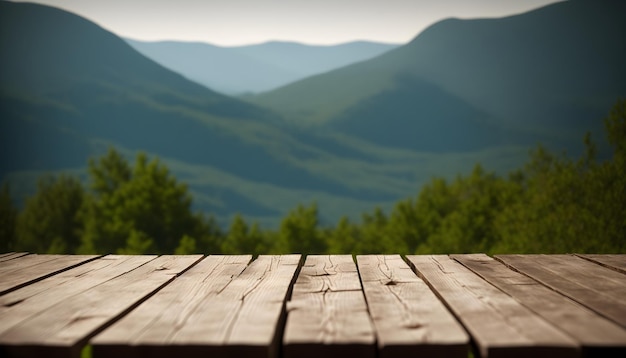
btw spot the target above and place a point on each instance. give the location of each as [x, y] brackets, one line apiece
[315, 306]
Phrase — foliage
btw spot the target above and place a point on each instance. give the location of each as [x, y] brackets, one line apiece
[553, 204]
[127, 210]
[49, 223]
[138, 210]
[8, 217]
[242, 239]
[299, 231]
[144, 209]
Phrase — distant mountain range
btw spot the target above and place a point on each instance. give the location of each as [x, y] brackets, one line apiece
[254, 68]
[548, 75]
[462, 92]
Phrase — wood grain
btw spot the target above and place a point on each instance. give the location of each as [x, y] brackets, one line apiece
[327, 313]
[24, 270]
[64, 328]
[499, 325]
[221, 307]
[599, 288]
[155, 322]
[11, 255]
[615, 262]
[408, 318]
[598, 336]
[34, 299]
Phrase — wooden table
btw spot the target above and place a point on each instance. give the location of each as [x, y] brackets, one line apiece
[318, 306]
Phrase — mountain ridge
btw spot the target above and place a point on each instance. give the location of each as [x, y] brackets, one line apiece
[526, 72]
[368, 137]
[246, 69]
[60, 108]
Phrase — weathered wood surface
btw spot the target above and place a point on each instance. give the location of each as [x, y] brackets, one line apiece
[615, 262]
[598, 336]
[65, 327]
[12, 255]
[602, 290]
[31, 268]
[327, 314]
[409, 320]
[220, 307]
[380, 306]
[499, 325]
[37, 298]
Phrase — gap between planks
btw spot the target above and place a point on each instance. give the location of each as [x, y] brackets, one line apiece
[291, 287]
[64, 328]
[499, 325]
[224, 306]
[598, 336]
[599, 288]
[22, 270]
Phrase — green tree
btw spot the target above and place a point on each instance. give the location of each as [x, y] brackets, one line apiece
[376, 237]
[300, 233]
[344, 238]
[186, 246]
[239, 240]
[405, 226]
[208, 234]
[571, 205]
[108, 173]
[137, 243]
[49, 222]
[8, 218]
[130, 208]
[479, 199]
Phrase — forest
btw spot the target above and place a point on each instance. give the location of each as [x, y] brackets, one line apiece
[553, 204]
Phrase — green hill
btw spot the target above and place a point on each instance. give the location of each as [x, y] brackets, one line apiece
[547, 75]
[354, 138]
[69, 89]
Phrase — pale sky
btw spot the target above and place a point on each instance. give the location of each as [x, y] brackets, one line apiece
[323, 22]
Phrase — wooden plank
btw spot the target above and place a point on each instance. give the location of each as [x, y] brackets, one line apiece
[327, 314]
[598, 336]
[615, 262]
[597, 287]
[408, 318]
[499, 325]
[215, 309]
[28, 269]
[155, 322]
[11, 255]
[63, 329]
[25, 261]
[34, 299]
[264, 305]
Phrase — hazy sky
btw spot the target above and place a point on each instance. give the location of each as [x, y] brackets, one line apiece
[237, 22]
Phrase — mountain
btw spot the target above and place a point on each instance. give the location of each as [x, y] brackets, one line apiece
[547, 75]
[59, 70]
[69, 89]
[365, 135]
[254, 68]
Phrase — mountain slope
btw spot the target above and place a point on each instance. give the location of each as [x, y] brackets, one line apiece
[254, 68]
[69, 89]
[546, 75]
[59, 69]
[375, 131]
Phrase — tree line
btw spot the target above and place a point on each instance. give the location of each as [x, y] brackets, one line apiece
[553, 204]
